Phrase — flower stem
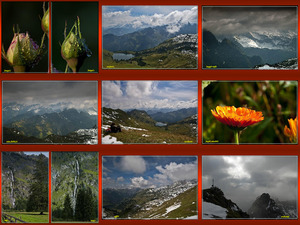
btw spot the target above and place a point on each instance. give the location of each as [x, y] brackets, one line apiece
[19, 69]
[236, 137]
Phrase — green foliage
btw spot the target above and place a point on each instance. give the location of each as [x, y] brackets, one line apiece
[86, 205]
[276, 100]
[38, 198]
[67, 211]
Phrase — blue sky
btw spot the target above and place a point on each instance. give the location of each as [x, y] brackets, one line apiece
[148, 16]
[149, 94]
[147, 171]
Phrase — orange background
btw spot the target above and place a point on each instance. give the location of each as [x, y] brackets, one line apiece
[189, 149]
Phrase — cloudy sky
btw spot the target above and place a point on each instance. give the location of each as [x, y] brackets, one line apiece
[37, 153]
[239, 20]
[149, 16]
[244, 178]
[149, 94]
[78, 94]
[147, 171]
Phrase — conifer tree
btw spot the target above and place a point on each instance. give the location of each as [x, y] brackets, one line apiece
[86, 205]
[67, 211]
[38, 198]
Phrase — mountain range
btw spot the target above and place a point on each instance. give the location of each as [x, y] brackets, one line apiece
[248, 50]
[175, 201]
[140, 127]
[143, 39]
[25, 123]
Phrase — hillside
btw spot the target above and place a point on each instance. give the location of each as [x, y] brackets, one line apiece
[178, 52]
[178, 200]
[17, 176]
[138, 127]
[72, 171]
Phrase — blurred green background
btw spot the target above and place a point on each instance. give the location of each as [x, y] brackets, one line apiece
[28, 16]
[88, 15]
[276, 99]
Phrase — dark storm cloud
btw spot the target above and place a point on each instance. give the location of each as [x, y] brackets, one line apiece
[244, 178]
[238, 20]
[49, 92]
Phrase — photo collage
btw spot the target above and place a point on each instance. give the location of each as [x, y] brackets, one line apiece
[197, 105]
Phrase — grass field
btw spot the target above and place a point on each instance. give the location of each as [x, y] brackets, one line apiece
[29, 217]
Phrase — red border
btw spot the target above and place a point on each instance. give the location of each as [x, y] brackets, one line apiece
[199, 75]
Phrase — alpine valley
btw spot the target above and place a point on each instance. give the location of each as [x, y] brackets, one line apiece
[152, 47]
[55, 123]
[150, 126]
[174, 201]
[256, 50]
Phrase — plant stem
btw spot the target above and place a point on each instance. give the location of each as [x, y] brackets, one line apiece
[236, 137]
[19, 69]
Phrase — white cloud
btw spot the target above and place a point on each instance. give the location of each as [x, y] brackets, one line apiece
[140, 88]
[123, 18]
[120, 179]
[135, 164]
[139, 182]
[150, 94]
[176, 172]
[112, 89]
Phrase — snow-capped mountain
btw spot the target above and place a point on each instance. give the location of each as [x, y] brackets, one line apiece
[12, 110]
[264, 39]
[178, 200]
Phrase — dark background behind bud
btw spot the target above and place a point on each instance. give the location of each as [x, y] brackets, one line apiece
[27, 15]
[88, 15]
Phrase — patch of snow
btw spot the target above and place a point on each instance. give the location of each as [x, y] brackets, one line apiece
[107, 139]
[171, 208]
[213, 211]
[91, 132]
[195, 217]
[132, 128]
[145, 135]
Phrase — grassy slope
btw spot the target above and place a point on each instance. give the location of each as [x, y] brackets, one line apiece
[30, 217]
[155, 136]
[188, 207]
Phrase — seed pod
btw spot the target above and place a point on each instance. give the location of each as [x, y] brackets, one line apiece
[73, 49]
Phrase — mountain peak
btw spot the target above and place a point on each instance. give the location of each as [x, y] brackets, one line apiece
[216, 197]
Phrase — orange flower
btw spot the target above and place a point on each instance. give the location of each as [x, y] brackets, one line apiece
[237, 118]
[292, 131]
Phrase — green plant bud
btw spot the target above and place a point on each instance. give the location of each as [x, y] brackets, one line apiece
[45, 22]
[73, 49]
[23, 53]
